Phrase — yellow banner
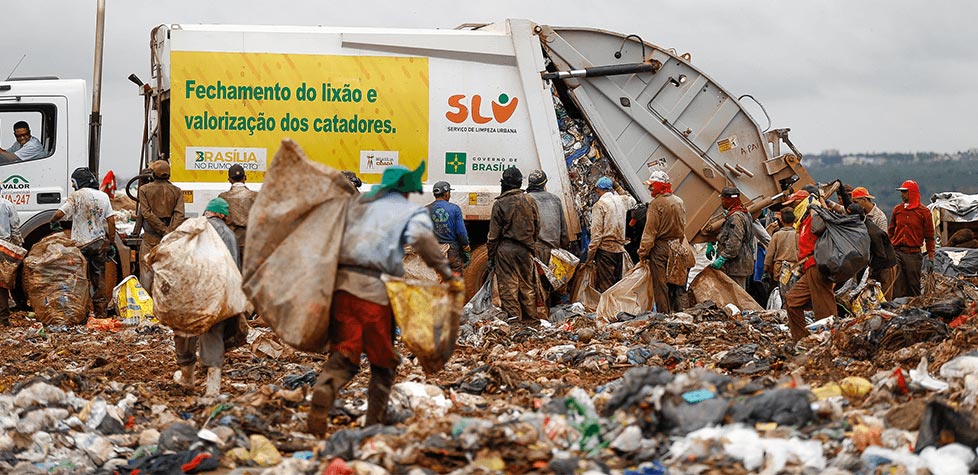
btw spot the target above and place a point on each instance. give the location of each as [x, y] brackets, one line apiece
[357, 113]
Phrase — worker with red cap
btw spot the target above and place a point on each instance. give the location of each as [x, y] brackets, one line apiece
[911, 226]
[813, 289]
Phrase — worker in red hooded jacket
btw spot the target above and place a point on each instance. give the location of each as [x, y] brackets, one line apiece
[910, 227]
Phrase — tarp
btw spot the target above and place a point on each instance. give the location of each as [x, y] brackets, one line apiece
[958, 207]
[955, 261]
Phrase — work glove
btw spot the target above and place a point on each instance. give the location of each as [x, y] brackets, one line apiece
[928, 265]
[55, 226]
[718, 262]
[466, 257]
[711, 250]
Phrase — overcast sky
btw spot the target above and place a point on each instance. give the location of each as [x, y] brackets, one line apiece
[858, 76]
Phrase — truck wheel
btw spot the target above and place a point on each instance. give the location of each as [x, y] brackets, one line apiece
[475, 273]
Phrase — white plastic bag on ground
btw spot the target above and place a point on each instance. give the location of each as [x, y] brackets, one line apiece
[632, 294]
[196, 282]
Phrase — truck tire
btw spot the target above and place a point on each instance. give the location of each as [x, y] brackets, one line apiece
[475, 273]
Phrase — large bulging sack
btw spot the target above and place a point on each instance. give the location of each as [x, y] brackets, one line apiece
[196, 283]
[11, 256]
[584, 291]
[713, 285]
[56, 280]
[294, 234]
[843, 248]
[632, 294]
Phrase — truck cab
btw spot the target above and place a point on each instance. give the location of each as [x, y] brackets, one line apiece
[56, 113]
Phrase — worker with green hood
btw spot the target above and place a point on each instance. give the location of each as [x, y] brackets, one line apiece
[378, 226]
[212, 344]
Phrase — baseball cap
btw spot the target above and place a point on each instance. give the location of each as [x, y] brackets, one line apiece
[236, 172]
[730, 192]
[861, 192]
[441, 188]
[657, 176]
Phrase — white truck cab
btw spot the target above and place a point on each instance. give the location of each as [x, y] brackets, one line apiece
[56, 110]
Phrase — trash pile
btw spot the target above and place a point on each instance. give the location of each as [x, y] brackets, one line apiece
[712, 389]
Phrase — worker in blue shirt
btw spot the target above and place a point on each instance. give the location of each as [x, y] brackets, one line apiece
[450, 227]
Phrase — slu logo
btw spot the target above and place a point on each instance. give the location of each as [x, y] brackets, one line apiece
[455, 163]
[502, 109]
[15, 182]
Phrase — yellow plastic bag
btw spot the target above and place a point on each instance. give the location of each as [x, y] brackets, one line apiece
[133, 303]
[562, 266]
[428, 315]
[855, 387]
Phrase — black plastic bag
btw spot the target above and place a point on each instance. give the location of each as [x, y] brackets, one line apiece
[787, 407]
[842, 249]
[942, 425]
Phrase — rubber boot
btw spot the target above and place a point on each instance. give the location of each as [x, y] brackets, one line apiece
[379, 394]
[185, 376]
[213, 382]
[338, 371]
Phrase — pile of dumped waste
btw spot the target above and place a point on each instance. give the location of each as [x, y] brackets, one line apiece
[706, 390]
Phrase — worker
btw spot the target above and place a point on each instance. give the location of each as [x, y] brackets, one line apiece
[553, 227]
[735, 243]
[607, 249]
[812, 289]
[161, 210]
[211, 343]
[513, 229]
[861, 196]
[882, 256]
[553, 224]
[782, 252]
[450, 226]
[911, 227]
[239, 199]
[361, 318]
[663, 236]
[26, 147]
[92, 230]
[10, 232]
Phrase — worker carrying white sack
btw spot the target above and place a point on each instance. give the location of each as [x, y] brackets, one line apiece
[197, 292]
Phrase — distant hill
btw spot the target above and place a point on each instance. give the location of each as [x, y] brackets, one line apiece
[881, 173]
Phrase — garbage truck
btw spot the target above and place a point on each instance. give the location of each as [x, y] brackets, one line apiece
[472, 101]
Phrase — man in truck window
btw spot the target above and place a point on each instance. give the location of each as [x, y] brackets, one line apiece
[27, 146]
[92, 230]
[10, 232]
[607, 249]
[161, 211]
[378, 226]
[449, 226]
[513, 229]
[239, 199]
[735, 243]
